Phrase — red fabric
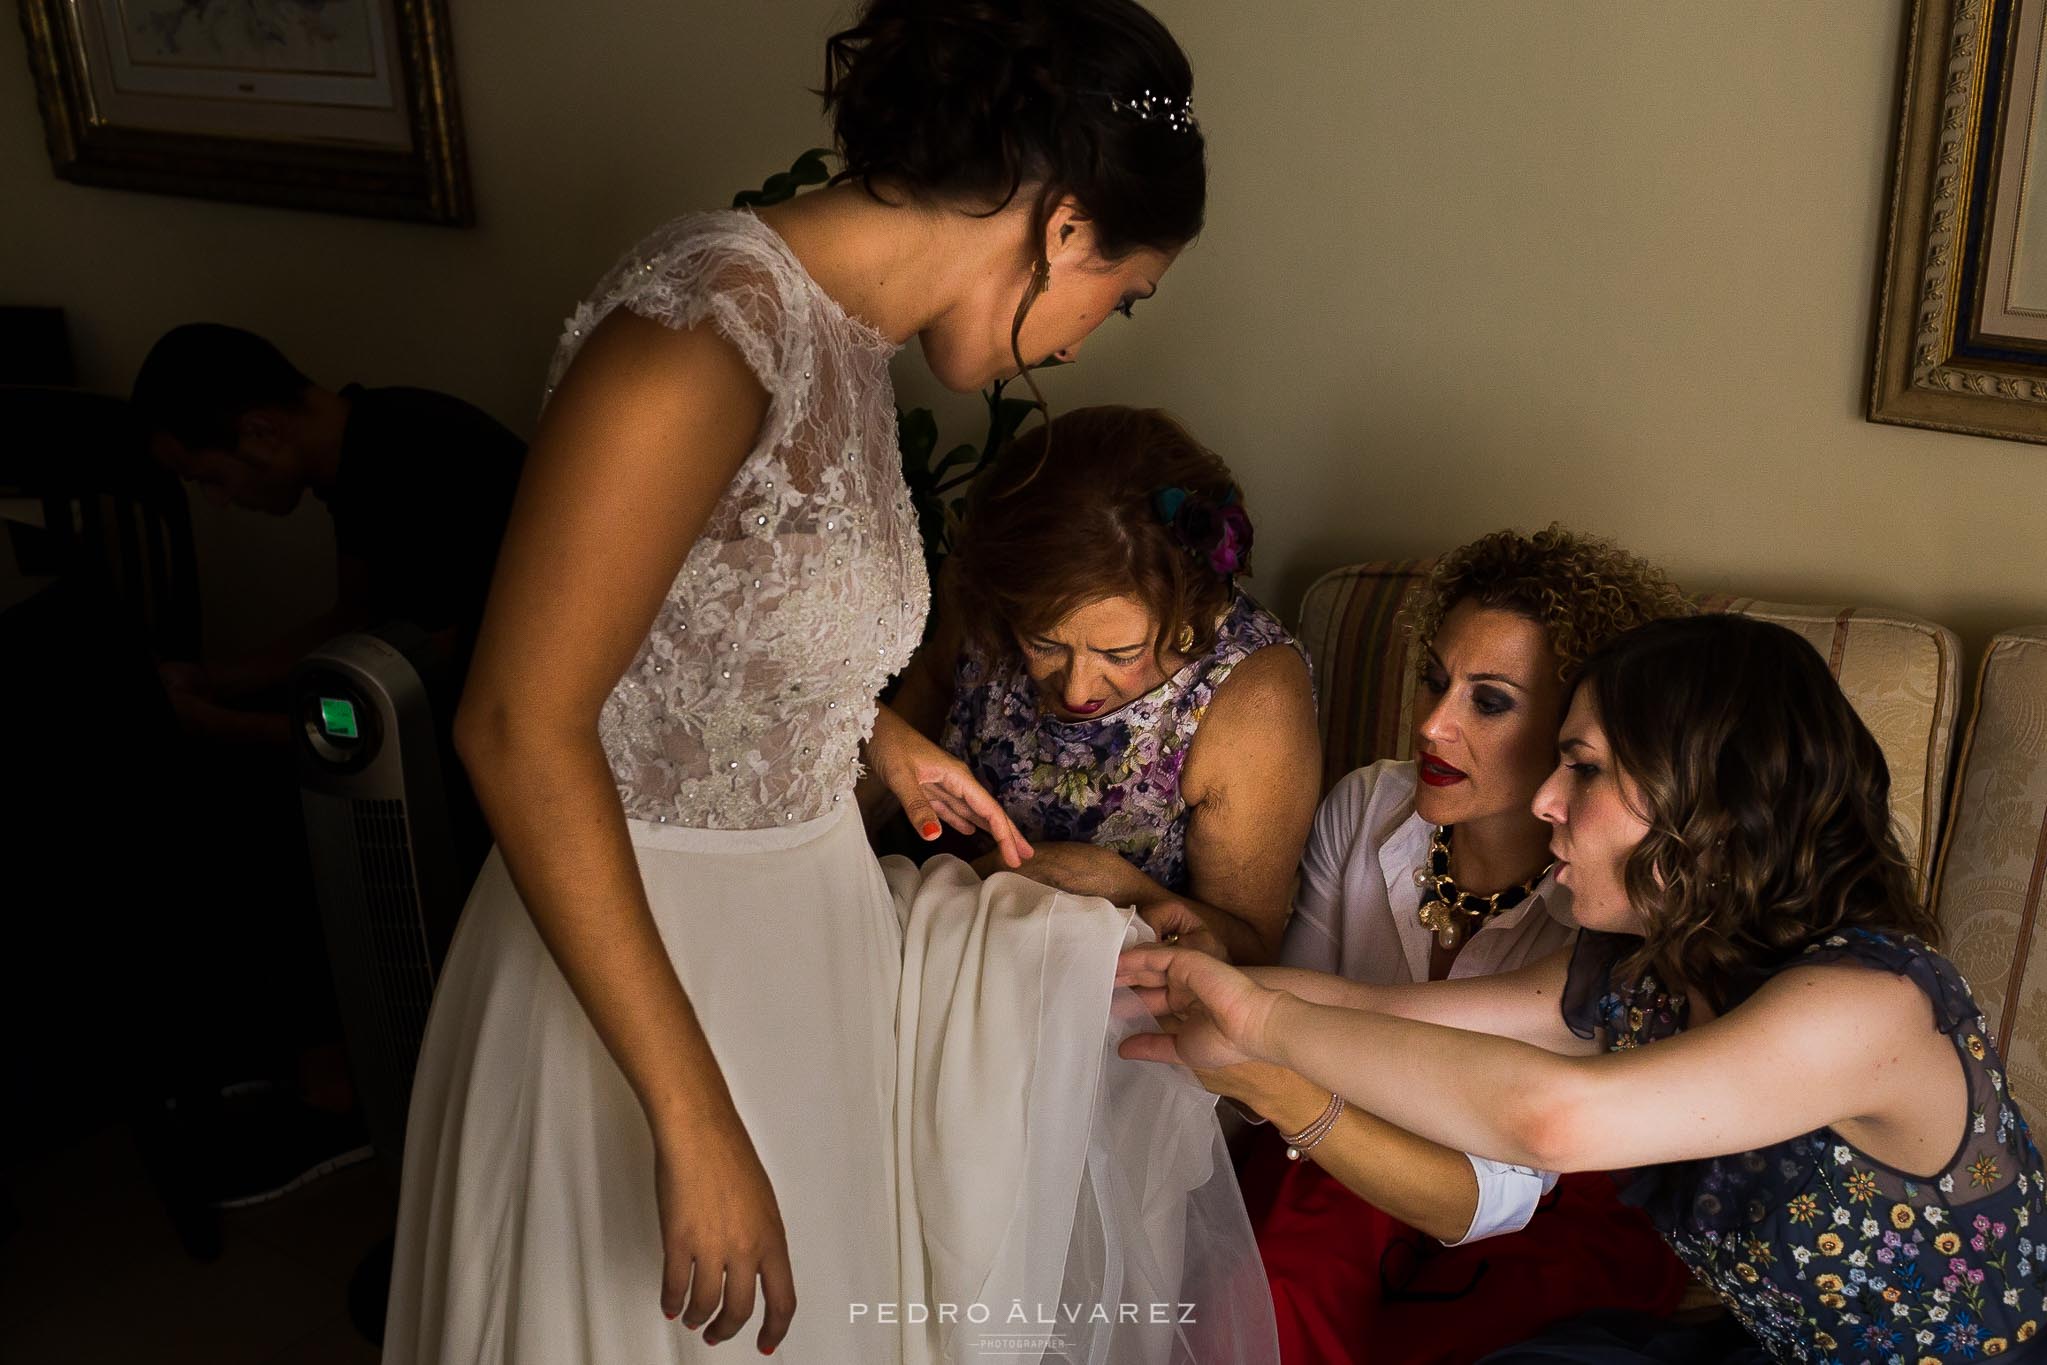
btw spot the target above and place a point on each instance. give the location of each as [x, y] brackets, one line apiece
[1324, 1249]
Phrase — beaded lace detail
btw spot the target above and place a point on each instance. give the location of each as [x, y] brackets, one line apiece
[747, 704]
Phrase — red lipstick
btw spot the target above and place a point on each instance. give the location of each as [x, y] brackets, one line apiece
[1437, 773]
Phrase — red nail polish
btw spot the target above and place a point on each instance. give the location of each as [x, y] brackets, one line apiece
[670, 1316]
[930, 829]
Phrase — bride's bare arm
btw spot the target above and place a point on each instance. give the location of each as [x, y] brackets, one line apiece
[637, 446]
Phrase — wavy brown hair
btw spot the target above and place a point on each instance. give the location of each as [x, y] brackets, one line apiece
[1068, 515]
[1581, 590]
[1766, 797]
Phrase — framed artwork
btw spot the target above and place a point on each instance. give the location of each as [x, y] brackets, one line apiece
[343, 105]
[1961, 341]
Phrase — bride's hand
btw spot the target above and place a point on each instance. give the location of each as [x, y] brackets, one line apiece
[1212, 1014]
[720, 1231]
[932, 786]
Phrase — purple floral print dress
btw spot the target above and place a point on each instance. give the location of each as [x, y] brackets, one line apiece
[1113, 779]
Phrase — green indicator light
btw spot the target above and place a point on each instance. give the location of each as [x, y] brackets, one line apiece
[337, 718]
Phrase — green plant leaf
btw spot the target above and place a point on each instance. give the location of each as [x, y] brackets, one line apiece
[917, 436]
[960, 452]
[1005, 415]
[807, 169]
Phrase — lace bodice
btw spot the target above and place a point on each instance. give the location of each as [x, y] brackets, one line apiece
[747, 703]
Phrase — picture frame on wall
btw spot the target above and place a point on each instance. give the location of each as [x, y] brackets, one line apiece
[345, 106]
[1961, 339]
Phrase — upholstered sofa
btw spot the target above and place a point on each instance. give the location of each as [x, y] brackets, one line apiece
[1979, 842]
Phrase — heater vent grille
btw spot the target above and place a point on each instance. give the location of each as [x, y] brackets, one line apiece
[394, 937]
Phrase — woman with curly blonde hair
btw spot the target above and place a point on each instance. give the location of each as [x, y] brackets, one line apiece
[1433, 868]
[1752, 1018]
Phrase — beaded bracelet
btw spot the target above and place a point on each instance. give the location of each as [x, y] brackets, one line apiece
[1305, 1140]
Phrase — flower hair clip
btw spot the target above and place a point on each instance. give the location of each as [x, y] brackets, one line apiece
[1217, 534]
[1176, 114]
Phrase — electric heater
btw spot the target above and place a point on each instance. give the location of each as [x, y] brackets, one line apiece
[390, 876]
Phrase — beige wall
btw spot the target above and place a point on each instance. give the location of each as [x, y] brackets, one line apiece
[1469, 264]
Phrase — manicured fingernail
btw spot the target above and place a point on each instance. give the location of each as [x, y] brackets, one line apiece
[929, 829]
[670, 1316]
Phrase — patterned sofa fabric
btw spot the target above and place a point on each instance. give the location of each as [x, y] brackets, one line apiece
[1901, 673]
[1365, 665]
[1989, 890]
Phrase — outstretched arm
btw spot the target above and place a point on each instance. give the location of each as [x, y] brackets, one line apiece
[1884, 1077]
[1424, 1184]
[1525, 1003]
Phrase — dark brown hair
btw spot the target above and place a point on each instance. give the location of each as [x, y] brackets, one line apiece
[1766, 797]
[974, 99]
[1581, 590]
[1042, 541]
[201, 379]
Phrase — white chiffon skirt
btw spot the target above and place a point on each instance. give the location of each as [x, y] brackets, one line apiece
[926, 1063]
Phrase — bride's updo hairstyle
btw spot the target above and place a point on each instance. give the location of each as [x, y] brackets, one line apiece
[970, 101]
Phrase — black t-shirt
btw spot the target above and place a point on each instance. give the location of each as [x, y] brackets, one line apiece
[421, 496]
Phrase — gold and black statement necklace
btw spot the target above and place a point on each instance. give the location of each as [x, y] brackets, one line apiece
[1451, 913]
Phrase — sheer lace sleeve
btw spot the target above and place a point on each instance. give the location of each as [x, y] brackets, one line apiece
[697, 269]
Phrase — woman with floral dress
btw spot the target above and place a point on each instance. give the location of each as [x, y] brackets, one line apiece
[1753, 1020]
[1147, 726]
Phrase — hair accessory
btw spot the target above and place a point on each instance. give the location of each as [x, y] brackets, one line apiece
[1216, 533]
[1451, 912]
[1176, 114]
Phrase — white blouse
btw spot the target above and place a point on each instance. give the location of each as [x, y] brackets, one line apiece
[1356, 914]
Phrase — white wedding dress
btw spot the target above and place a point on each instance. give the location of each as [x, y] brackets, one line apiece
[924, 1061]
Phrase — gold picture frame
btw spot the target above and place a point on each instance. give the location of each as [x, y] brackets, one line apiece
[343, 106]
[1961, 325]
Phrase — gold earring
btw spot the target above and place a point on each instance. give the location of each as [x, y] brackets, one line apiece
[1186, 640]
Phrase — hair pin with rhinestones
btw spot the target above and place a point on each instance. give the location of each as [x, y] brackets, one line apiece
[1176, 114]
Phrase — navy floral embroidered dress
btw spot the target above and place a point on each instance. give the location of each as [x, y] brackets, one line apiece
[1824, 1254]
[1114, 779]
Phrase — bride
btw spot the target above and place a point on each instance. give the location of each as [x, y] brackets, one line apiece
[694, 1050]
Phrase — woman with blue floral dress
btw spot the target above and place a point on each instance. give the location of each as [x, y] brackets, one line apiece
[1753, 1021]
